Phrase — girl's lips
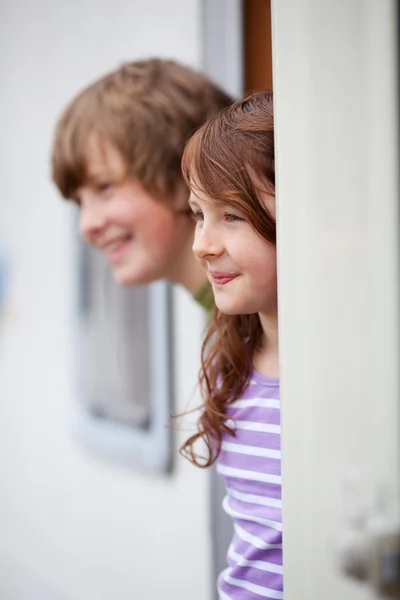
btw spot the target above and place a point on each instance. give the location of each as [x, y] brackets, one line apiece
[221, 278]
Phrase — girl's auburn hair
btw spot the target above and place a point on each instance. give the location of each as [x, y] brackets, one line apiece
[231, 160]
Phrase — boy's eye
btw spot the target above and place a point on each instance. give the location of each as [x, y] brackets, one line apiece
[231, 217]
[104, 186]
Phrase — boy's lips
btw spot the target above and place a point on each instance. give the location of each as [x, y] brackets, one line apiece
[116, 248]
[221, 278]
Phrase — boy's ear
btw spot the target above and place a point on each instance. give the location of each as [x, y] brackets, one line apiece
[179, 200]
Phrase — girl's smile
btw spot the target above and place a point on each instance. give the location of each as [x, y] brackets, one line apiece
[221, 278]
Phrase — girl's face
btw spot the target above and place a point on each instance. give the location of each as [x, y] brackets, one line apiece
[240, 265]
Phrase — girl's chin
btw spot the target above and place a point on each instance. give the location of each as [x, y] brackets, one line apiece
[226, 310]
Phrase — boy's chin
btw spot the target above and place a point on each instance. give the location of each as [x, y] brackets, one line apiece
[124, 278]
[127, 277]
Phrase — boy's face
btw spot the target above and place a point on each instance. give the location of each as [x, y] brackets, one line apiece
[141, 236]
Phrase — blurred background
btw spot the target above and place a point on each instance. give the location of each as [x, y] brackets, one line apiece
[76, 525]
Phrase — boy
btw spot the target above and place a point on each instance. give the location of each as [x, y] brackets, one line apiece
[117, 153]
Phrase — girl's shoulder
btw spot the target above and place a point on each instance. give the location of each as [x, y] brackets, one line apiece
[257, 380]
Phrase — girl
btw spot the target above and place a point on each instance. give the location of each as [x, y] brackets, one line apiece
[229, 167]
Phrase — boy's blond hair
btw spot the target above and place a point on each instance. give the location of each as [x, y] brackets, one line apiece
[146, 110]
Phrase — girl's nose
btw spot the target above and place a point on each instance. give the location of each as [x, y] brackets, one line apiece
[206, 243]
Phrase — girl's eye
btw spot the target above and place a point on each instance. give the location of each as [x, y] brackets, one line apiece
[197, 216]
[231, 217]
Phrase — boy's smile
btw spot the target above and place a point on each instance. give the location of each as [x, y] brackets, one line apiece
[116, 249]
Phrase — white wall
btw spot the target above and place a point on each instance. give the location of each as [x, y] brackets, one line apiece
[338, 237]
[74, 527]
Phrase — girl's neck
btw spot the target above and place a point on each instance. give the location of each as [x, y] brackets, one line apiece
[266, 358]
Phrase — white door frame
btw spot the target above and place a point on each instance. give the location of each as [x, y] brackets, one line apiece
[336, 132]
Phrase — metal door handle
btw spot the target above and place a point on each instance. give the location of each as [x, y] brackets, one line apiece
[371, 554]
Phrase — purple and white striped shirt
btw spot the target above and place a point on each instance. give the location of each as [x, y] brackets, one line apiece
[250, 464]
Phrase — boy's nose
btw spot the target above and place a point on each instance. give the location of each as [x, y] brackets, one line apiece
[205, 244]
[91, 224]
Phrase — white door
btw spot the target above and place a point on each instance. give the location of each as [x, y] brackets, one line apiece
[338, 224]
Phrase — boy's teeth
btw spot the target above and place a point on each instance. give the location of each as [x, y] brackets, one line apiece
[114, 246]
